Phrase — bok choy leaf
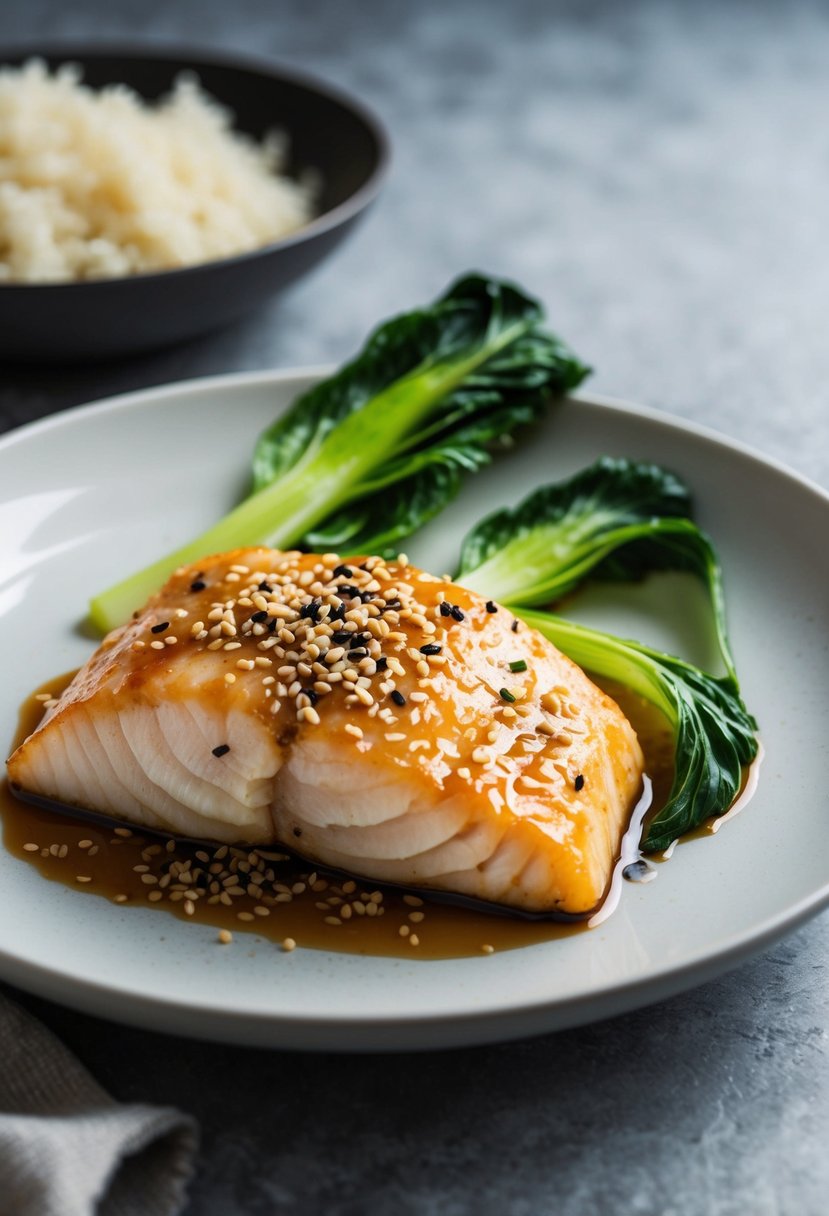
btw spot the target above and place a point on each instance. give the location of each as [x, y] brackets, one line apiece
[367, 456]
[713, 732]
[617, 519]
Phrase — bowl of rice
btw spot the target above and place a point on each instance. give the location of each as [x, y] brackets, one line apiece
[148, 197]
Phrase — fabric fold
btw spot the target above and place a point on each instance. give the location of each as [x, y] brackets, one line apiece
[68, 1149]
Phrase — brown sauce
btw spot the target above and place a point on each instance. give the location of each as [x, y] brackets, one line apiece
[432, 928]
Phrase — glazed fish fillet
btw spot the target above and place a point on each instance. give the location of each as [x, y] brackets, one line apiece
[371, 716]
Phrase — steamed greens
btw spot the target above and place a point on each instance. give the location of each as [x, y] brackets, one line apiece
[713, 732]
[618, 519]
[366, 457]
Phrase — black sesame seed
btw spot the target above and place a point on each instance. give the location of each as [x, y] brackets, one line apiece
[490, 607]
[259, 617]
[382, 663]
[311, 611]
[445, 609]
[160, 627]
[346, 590]
[393, 605]
[221, 750]
[312, 696]
[343, 572]
[341, 637]
[457, 614]
[398, 697]
[579, 783]
[364, 566]
[338, 613]
[514, 626]
[358, 654]
[273, 625]
[431, 648]
[297, 831]
[263, 586]
[197, 585]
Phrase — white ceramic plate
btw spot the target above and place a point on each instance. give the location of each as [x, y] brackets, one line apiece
[92, 494]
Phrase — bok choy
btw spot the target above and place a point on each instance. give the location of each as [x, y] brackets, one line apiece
[618, 519]
[366, 457]
[713, 732]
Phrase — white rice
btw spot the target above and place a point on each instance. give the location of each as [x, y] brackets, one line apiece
[103, 184]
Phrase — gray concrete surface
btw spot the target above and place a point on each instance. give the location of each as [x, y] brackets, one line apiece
[659, 173]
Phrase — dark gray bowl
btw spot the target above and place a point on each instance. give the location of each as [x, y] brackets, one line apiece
[328, 132]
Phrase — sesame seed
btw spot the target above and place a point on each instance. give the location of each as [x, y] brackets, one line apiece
[487, 949]
[288, 945]
[225, 937]
[230, 678]
[491, 607]
[82, 878]
[31, 848]
[221, 750]
[481, 755]
[578, 784]
[160, 627]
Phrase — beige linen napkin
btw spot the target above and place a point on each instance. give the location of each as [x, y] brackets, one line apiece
[67, 1149]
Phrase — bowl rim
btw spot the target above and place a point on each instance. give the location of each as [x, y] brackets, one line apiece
[148, 52]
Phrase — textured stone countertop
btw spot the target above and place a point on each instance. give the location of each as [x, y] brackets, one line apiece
[658, 173]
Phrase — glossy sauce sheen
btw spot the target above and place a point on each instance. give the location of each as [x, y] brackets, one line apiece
[443, 929]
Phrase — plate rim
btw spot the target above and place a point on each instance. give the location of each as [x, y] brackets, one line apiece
[229, 380]
[399, 1030]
